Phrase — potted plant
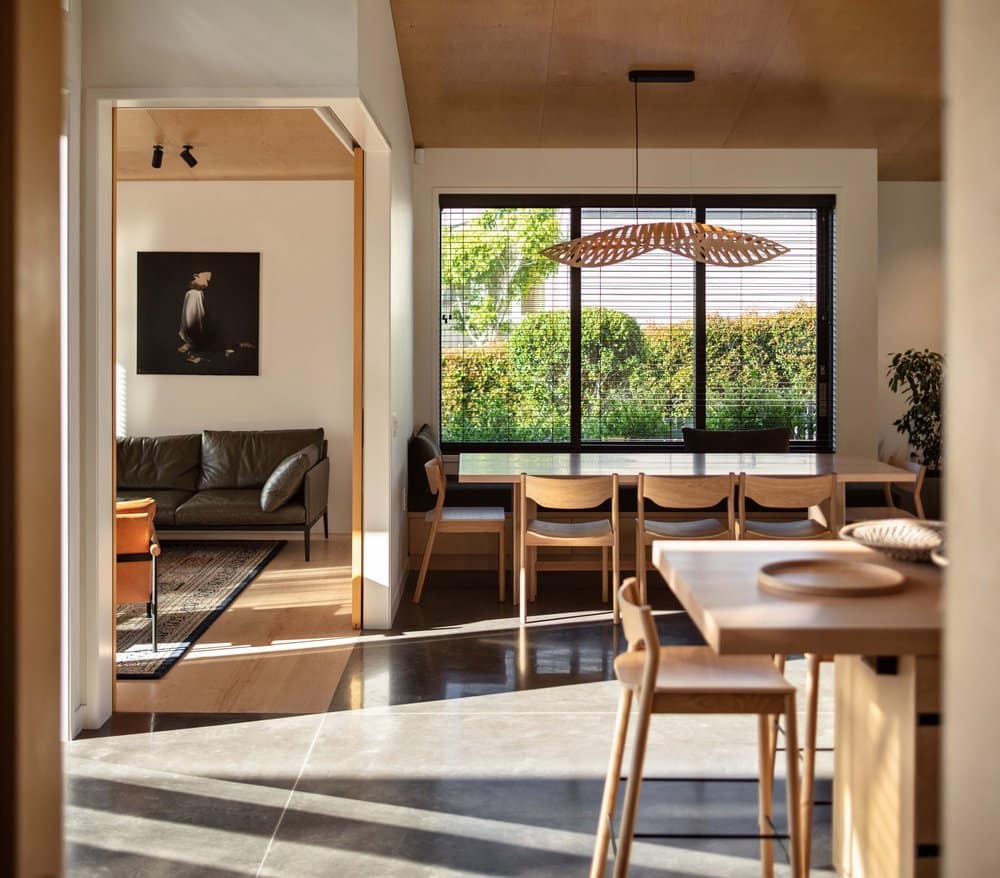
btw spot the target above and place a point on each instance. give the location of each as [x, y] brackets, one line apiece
[918, 375]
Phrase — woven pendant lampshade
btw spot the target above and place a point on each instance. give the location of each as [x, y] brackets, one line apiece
[713, 245]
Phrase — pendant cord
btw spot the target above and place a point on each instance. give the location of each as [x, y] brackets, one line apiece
[635, 101]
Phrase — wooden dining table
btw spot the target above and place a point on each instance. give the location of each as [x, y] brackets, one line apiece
[887, 687]
[506, 467]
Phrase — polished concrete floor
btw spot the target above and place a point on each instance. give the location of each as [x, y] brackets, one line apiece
[458, 744]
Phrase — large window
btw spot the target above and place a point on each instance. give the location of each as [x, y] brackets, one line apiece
[534, 354]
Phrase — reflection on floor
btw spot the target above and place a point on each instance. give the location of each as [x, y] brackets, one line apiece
[273, 650]
[452, 746]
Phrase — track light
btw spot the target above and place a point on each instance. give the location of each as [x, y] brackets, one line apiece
[157, 155]
[186, 154]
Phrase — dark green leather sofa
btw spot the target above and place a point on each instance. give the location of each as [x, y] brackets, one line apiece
[213, 480]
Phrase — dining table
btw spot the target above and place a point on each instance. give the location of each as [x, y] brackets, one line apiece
[887, 695]
[506, 467]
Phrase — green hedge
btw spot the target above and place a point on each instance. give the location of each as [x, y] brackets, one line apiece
[637, 382]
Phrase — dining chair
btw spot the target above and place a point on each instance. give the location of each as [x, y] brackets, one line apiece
[136, 550]
[459, 519]
[567, 493]
[687, 493]
[690, 680]
[891, 510]
[814, 493]
[794, 492]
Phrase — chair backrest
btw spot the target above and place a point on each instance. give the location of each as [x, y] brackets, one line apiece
[915, 487]
[687, 492]
[436, 479]
[570, 492]
[771, 440]
[640, 629]
[786, 492]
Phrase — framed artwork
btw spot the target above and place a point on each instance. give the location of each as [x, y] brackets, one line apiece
[198, 314]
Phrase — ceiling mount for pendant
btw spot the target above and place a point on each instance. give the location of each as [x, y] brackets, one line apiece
[713, 245]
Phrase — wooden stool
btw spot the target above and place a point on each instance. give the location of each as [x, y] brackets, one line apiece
[682, 679]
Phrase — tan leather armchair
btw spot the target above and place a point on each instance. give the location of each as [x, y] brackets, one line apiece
[137, 550]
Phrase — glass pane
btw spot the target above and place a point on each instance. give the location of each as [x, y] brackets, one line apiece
[504, 326]
[637, 342]
[761, 328]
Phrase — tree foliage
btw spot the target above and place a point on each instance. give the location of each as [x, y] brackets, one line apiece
[492, 262]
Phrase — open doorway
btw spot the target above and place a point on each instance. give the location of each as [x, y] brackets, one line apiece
[234, 348]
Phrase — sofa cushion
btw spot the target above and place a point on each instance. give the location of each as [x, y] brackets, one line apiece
[233, 507]
[734, 441]
[246, 458]
[286, 480]
[169, 462]
[166, 503]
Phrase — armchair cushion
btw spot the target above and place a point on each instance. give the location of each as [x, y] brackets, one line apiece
[286, 479]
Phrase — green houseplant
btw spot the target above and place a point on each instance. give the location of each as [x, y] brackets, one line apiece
[918, 374]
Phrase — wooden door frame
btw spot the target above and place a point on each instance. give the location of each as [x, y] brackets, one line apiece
[358, 406]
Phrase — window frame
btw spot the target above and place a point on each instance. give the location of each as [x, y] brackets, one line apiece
[825, 206]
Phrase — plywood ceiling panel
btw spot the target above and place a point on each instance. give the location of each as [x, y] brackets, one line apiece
[254, 144]
[770, 74]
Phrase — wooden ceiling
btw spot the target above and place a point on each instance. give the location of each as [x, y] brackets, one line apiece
[258, 144]
[770, 74]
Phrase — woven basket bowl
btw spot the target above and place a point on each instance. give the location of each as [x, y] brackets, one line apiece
[905, 539]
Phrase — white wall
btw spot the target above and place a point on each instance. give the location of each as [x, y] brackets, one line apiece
[388, 315]
[910, 286]
[304, 233]
[848, 174]
[972, 425]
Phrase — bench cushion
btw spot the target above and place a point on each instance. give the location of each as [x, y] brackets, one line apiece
[233, 507]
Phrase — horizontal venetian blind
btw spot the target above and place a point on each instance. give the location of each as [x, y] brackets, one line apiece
[761, 330]
[505, 326]
[637, 337]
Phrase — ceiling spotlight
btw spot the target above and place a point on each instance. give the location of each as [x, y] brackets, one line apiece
[157, 156]
[188, 157]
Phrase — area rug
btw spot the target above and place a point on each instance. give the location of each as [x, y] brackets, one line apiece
[195, 582]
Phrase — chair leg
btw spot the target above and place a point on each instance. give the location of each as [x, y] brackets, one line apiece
[615, 578]
[522, 594]
[779, 663]
[305, 538]
[154, 606]
[792, 788]
[632, 789]
[326, 525]
[425, 563]
[533, 567]
[640, 563]
[604, 574]
[501, 567]
[606, 818]
[765, 795]
[809, 757]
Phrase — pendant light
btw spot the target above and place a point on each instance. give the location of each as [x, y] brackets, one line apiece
[713, 245]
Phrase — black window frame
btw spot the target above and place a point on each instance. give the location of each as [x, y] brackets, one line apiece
[825, 206]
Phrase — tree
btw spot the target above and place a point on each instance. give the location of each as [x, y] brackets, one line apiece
[493, 261]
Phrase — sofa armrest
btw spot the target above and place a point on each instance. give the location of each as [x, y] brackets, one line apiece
[317, 489]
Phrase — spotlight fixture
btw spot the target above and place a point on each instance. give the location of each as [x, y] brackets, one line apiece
[157, 155]
[188, 157]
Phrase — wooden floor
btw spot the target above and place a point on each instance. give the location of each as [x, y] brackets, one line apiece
[274, 649]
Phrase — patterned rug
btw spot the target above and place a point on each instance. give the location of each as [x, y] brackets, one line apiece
[196, 582]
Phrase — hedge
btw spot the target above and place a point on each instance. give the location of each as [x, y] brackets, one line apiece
[637, 381]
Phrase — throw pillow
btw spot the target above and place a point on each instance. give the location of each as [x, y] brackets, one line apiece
[286, 479]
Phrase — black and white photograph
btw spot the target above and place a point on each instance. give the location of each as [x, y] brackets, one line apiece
[198, 313]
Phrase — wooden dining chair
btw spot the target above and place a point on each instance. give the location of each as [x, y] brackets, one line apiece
[566, 493]
[687, 493]
[136, 550]
[459, 519]
[690, 680]
[891, 509]
[814, 493]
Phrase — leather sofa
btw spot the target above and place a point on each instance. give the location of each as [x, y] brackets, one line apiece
[213, 481]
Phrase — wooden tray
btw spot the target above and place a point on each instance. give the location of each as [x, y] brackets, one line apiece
[829, 577]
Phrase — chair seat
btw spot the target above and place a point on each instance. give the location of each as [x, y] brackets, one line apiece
[800, 529]
[689, 670]
[469, 513]
[590, 532]
[875, 513]
[703, 528]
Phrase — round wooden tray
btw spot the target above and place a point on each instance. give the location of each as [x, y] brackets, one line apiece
[829, 577]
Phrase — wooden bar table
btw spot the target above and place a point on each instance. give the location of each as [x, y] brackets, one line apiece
[887, 648]
[505, 467]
